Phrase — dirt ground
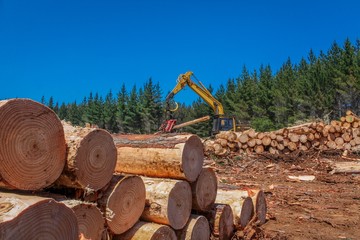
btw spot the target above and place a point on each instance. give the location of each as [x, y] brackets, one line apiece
[327, 207]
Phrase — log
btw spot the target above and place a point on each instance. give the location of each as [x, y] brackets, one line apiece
[196, 228]
[221, 221]
[241, 204]
[168, 202]
[33, 146]
[166, 156]
[91, 158]
[90, 219]
[32, 217]
[147, 231]
[266, 140]
[198, 120]
[204, 190]
[260, 206]
[243, 138]
[346, 167]
[259, 149]
[122, 202]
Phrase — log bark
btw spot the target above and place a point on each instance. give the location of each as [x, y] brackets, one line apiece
[241, 204]
[32, 217]
[196, 228]
[221, 221]
[32, 153]
[168, 202]
[166, 156]
[204, 190]
[91, 158]
[90, 219]
[148, 231]
[122, 202]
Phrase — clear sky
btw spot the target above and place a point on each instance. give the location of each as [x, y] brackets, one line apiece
[68, 48]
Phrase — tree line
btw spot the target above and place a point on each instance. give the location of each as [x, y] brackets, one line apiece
[320, 86]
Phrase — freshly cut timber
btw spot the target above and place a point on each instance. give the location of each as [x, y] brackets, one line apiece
[241, 204]
[166, 156]
[148, 231]
[204, 190]
[33, 149]
[260, 206]
[196, 228]
[90, 219]
[221, 221]
[168, 202]
[123, 202]
[91, 158]
[32, 217]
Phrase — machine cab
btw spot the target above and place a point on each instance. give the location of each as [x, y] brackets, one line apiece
[222, 124]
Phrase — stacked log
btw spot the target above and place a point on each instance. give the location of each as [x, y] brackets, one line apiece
[32, 217]
[33, 146]
[89, 218]
[91, 158]
[122, 202]
[168, 202]
[342, 135]
[171, 156]
[148, 231]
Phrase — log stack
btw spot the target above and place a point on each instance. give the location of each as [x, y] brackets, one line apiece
[343, 134]
[120, 186]
[180, 192]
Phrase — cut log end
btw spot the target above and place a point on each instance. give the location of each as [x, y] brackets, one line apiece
[179, 208]
[222, 221]
[148, 231]
[90, 220]
[35, 144]
[31, 217]
[260, 206]
[204, 190]
[193, 158]
[95, 159]
[125, 203]
[196, 228]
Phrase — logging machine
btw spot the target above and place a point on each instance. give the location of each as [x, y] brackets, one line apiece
[220, 123]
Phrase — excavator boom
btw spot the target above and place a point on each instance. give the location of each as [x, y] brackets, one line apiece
[220, 123]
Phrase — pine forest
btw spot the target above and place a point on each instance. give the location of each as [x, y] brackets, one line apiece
[319, 86]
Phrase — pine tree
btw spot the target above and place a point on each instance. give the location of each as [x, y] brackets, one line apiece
[109, 113]
[122, 108]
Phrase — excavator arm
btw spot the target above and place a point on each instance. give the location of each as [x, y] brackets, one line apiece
[200, 89]
[219, 123]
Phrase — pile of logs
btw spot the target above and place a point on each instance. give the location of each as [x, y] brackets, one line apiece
[58, 181]
[343, 135]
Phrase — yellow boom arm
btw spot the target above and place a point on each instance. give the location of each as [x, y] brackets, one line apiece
[185, 79]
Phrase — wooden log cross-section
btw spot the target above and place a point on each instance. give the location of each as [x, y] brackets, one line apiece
[91, 158]
[204, 190]
[196, 228]
[166, 156]
[148, 231]
[221, 221]
[33, 217]
[168, 202]
[33, 149]
[122, 202]
[241, 205]
[90, 218]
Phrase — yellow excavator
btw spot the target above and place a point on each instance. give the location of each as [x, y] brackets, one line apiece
[220, 123]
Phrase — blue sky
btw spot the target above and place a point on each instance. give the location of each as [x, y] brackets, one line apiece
[67, 49]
